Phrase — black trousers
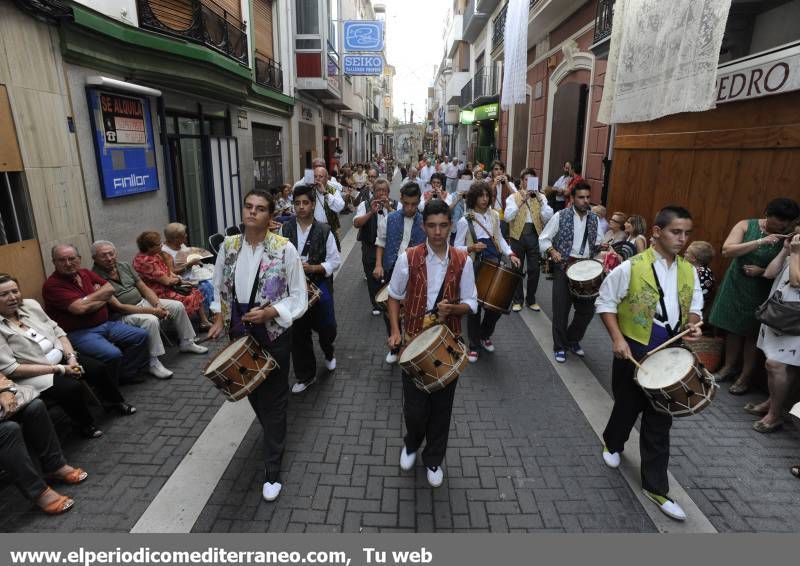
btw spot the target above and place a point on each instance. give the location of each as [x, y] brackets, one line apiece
[427, 417]
[564, 331]
[527, 250]
[629, 401]
[481, 325]
[368, 263]
[269, 401]
[26, 435]
[303, 358]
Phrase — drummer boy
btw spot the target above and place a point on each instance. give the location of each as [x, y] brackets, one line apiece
[643, 303]
[437, 283]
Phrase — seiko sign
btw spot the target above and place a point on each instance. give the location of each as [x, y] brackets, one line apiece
[772, 73]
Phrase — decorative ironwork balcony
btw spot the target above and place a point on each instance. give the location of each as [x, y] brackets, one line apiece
[200, 21]
[602, 22]
[269, 73]
[485, 83]
[499, 28]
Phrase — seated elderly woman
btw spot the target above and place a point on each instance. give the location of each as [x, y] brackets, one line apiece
[152, 267]
[25, 431]
[35, 351]
[195, 271]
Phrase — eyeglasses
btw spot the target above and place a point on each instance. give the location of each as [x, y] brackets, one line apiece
[69, 259]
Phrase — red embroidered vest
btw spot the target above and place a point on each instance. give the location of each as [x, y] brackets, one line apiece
[417, 290]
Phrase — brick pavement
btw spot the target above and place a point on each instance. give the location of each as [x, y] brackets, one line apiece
[521, 456]
[738, 478]
[128, 465]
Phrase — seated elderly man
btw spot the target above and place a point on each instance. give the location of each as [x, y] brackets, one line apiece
[139, 306]
[77, 299]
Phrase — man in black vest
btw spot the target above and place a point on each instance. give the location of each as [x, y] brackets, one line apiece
[320, 256]
[372, 211]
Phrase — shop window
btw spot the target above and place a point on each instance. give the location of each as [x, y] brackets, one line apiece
[267, 157]
[16, 220]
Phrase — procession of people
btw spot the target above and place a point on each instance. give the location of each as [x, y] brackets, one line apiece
[456, 252]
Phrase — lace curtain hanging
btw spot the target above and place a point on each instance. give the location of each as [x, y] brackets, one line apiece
[515, 46]
[663, 58]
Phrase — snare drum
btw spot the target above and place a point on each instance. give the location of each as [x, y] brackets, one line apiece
[313, 293]
[584, 278]
[496, 284]
[434, 358]
[240, 368]
[676, 382]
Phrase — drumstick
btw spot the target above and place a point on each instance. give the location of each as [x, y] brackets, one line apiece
[637, 364]
[673, 339]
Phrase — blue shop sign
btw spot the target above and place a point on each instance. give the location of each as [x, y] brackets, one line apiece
[123, 142]
[363, 35]
[363, 65]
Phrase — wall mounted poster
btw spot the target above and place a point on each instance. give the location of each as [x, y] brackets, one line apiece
[123, 141]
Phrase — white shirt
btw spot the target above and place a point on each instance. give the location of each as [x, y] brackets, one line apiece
[426, 198]
[616, 284]
[546, 212]
[451, 172]
[498, 197]
[408, 223]
[362, 210]
[410, 180]
[462, 228]
[562, 183]
[551, 231]
[289, 308]
[425, 174]
[332, 257]
[437, 269]
[335, 203]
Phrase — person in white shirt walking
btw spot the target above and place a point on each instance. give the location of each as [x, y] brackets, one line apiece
[478, 233]
[320, 257]
[570, 235]
[527, 212]
[260, 289]
[643, 303]
[451, 172]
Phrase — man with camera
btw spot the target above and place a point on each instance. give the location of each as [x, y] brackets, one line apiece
[370, 218]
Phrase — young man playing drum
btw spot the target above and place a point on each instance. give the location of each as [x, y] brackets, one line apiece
[321, 259]
[436, 282]
[644, 302]
[403, 230]
[479, 234]
[570, 235]
[260, 289]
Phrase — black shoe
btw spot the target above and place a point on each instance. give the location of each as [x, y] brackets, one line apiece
[91, 431]
[124, 409]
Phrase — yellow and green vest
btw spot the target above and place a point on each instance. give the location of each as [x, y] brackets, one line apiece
[518, 224]
[636, 311]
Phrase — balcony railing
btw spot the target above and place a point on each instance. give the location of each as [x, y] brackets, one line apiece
[602, 22]
[466, 94]
[269, 73]
[499, 27]
[532, 4]
[199, 21]
[485, 83]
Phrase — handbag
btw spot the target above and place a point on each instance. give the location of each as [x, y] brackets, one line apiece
[24, 395]
[782, 316]
[182, 289]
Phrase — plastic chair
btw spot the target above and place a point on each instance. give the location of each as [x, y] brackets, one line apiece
[215, 241]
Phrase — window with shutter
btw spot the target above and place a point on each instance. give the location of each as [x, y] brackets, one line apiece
[262, 12]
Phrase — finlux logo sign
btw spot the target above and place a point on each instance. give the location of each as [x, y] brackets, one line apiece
[130, 181]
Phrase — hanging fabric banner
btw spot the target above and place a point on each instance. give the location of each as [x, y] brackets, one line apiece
[515, 47]
[663, 58]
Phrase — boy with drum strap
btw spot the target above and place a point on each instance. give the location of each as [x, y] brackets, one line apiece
[264, 268]
[403, 229]
[571, 234]
[479, 234]
[643, 302]
[321, 258]
[422, 275]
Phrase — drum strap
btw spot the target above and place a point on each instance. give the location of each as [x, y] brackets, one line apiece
[440, 295]
[585, 237]
[307, 245]
[662, 317]
[472, 218]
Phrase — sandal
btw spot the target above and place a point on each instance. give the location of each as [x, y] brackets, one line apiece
[60, 505]
[74, 477]
[753, 409]
[739, 388]
[759, 426]
[795, 470]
